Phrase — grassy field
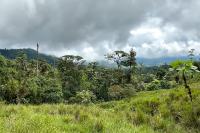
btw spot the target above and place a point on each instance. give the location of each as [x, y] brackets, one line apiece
[162, 111]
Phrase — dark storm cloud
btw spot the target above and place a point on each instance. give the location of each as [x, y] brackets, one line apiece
[70, 21]
[184, 14]
[94, 25]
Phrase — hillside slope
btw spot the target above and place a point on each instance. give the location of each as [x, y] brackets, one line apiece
[147, 112]
[31, 54]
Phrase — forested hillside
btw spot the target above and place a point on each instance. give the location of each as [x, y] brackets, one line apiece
[153, 99]
[30, 53]
[28, 80]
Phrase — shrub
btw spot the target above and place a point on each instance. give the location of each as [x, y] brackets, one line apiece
[154, 85]
[52, 95]
[117, 92]
[157, 84]
[164, 84]
[140, 86]
[149, 78]
[83, 97]
[128, 91]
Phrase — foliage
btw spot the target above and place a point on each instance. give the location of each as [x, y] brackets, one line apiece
[19, 84]
[31, 55]
[122, 58]
[154, 85]
[70, 75]
[184, 68]
[117, 57]
[83, 97]
[164, 84]
[71, 79]
[149, 78]
[197, 64]
[147, 112]
[117, 92]
[74, 81]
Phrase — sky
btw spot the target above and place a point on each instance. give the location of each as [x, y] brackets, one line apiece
[93, 28]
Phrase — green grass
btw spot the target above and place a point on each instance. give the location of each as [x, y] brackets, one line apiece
[147, 112]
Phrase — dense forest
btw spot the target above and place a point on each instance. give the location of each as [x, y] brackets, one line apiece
[71, 80]
[73, 96]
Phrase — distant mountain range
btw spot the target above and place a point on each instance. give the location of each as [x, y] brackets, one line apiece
[32, 54]
[161, 60]
[149, 62]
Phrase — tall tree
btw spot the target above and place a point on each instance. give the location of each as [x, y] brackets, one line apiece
[117, 57]
[129, 61]
[37, 71]
[69, 67]
[191, 54]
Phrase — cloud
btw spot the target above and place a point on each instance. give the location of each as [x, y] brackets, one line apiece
[94, 28]
[153, 40]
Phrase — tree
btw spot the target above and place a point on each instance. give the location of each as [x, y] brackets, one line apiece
[191, 54]
[117, 57]
[52, 92]
[101, 81]
[4, 79]
[129, 61]
[184, 67]
[70, 74]
[22, 77]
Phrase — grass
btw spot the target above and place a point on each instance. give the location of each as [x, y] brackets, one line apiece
[163, 111]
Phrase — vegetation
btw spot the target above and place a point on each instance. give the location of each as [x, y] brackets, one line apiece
[74, 96]
[147, 112]
[184, 67]
[31, 54]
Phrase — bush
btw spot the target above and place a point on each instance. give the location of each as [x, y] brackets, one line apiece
[157, 84]
[42, 90]
[117, 92]
[84, 97]
[164, 84]
[141, 86]
[154, 85]
[52, 95]
[149, 78]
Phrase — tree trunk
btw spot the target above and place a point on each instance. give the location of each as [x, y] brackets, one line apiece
[187, 86]
[129, 75]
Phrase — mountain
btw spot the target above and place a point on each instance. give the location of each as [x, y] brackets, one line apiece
[148, 62]
[31, 54]
[160, 61]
